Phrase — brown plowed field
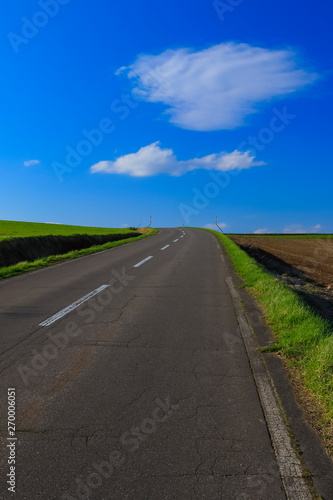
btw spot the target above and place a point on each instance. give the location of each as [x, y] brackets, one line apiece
[313, 256]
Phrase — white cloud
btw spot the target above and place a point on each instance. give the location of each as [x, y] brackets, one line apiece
[31, 163]
[213, 226]
[216, 88]
[294, 228]
[261, 231]
[120, 70]
[299, 229]
[153, 160]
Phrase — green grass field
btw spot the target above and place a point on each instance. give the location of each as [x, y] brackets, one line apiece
[15, 229]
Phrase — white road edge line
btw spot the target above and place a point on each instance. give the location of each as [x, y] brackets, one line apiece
[288, 462]
[166, 246]
[143, 261]
[176, 240]
[73, 306]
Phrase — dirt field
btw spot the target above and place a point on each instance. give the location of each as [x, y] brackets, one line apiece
[312, 256]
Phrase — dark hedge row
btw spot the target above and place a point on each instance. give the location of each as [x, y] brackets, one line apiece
[29, 249]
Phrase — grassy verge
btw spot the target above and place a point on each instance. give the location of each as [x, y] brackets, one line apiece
[23, 267]
[303, 339]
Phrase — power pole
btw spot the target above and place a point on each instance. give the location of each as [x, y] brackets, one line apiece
[218, 225]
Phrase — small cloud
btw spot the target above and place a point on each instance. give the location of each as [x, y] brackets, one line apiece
[299, 229]
[153, 160]
[120, 70]
[213, 226]
[59, 223]
[31, 163]
[218, 87]
[261, 231]
[124, 225]
[294, 228]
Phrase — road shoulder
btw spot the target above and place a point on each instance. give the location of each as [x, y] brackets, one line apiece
[309, 445]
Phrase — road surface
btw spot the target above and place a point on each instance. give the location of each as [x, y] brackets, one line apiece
[132, 380]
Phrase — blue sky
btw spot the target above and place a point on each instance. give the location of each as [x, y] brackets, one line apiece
[115, 111]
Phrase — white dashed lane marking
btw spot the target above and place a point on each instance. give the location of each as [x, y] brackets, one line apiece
[143, 261]
[76, 304]
[80, 301]
[73, 306]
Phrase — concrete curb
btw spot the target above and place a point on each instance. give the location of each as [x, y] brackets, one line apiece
[289, 465]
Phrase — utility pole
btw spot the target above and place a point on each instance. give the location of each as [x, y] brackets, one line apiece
[218, 225]
[147, 226]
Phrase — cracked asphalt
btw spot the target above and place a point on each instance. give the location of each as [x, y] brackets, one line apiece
[143, 392]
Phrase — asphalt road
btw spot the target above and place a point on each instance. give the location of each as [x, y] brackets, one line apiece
[144, 391]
